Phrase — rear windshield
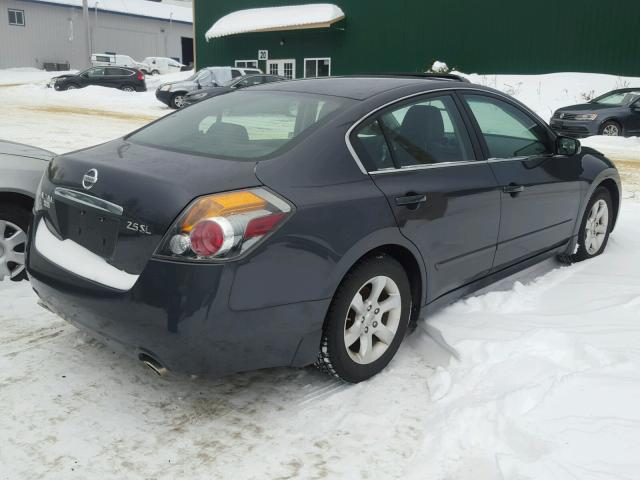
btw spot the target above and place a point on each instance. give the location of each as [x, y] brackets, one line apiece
[241, 125]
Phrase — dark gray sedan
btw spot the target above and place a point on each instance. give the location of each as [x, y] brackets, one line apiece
[235, 84]
[309, 221]
[616, 113]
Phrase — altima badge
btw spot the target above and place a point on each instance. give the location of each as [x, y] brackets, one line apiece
[90, 179]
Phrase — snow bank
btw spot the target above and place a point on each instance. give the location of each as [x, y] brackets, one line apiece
[617, 148]
[19, 76]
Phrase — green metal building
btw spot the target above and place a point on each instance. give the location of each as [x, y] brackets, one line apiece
[491, 36]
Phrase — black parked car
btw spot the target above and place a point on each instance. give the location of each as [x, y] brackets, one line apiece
[124, 78]
[616, 113]
[235, 84]
[309, 221]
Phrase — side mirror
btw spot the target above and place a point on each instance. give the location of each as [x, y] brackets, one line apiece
[567, 146]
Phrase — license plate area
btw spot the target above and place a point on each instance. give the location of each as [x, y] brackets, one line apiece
[94, 229]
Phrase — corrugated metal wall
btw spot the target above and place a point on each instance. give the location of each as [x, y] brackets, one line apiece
[56, 34]
[492, 36]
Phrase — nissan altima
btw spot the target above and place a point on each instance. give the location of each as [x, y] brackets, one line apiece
[309, 221]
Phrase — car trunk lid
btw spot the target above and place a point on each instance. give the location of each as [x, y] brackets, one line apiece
[117, 200]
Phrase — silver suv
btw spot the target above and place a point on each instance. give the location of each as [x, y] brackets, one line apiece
[173, 93]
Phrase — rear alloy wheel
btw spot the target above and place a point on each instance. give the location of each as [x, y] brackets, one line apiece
[128, 88]
[595, 226]
[14, 221]
[611, 129]
[177, 101]
[367, 320]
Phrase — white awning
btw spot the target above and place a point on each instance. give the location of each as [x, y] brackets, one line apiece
[274, 19]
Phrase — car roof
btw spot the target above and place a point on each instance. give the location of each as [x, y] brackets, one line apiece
[364, 86]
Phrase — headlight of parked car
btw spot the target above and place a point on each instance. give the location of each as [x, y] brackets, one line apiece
[587, 116]
[165, 88]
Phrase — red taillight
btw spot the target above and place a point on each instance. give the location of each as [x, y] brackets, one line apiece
[224, 225]
[140, 76]
[262, 225]
[207, 238]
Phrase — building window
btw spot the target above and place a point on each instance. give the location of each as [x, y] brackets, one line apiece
[16, 17]
[317, 67]
[246, 64]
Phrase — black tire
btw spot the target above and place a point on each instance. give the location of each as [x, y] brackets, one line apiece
[128, 88]
[71, 86]
[21, 217]
[614, 125]
[155, 72]
[334, 359]
[582, 253]
[173, 103]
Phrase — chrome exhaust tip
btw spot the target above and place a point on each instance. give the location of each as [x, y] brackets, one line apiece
[153, 364]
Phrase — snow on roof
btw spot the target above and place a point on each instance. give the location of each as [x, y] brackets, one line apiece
[316, 15]
[142, 8]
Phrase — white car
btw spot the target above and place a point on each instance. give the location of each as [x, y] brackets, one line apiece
[111, 59]
[162, 65]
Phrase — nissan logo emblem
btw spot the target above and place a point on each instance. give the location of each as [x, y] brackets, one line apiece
[90, 179]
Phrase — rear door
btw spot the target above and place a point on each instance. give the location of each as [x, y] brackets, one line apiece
[540, 190]
[420, 154]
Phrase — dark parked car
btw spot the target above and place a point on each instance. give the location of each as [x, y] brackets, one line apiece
[235, 84]
[21, 168]
[124, 78]
[616, 113]
[172, 93]
[310, 221]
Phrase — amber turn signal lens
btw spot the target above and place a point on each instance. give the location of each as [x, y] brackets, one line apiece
[222, 205]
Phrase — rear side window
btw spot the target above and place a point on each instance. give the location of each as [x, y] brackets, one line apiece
[102, 58]
[241, 126]
[507, 130]
[423, 132]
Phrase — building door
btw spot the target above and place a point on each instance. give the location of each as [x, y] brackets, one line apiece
[187, 50]
[284, 68]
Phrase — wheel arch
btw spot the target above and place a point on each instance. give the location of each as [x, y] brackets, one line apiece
[15, 198]
[614, 191]
[410, 260]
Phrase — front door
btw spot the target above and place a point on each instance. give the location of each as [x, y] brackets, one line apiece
[444, 200]
[282, 68]
[540, 190]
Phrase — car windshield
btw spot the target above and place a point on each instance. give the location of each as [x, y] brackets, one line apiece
[618, 99]
[242, 125]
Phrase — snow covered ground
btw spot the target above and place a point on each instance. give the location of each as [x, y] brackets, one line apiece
[537, 377]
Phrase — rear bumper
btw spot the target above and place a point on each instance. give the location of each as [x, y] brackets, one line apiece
[180, 315]
[575, 128]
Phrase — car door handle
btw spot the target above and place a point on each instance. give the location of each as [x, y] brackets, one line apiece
[411, 200]
[513, 189]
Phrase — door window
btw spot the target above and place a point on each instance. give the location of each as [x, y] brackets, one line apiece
[96, 72]
[507, 130]
[249, 82]
[426, 132]
[372, 148]
[317, 67]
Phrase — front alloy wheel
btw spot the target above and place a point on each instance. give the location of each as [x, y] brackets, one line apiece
[595, 226]
[611, 129]
[367, 320]
[177, 101]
